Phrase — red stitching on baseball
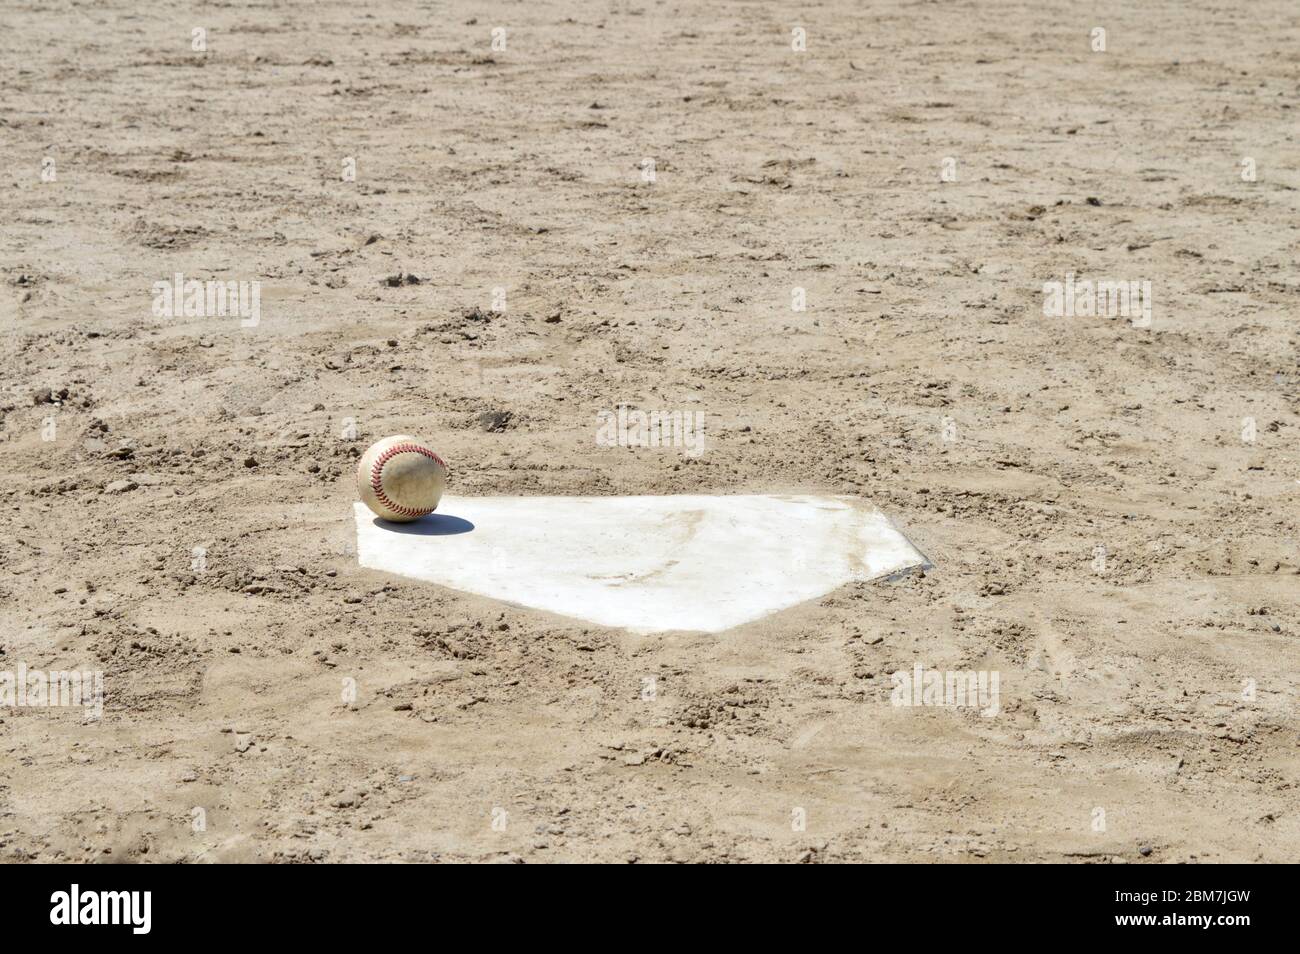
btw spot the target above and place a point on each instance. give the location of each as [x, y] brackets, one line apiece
[377, 485]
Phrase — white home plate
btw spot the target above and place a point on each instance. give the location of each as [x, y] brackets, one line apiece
[644, 563]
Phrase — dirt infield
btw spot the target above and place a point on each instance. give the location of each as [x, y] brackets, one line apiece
[625, 205]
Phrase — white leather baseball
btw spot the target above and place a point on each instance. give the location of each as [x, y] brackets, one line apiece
[400, 478]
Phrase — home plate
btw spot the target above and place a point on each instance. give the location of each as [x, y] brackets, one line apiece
[647, 564]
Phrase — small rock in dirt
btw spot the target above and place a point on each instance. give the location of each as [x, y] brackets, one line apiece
[494, 422]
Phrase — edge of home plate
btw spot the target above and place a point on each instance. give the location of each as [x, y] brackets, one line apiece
[647, 564]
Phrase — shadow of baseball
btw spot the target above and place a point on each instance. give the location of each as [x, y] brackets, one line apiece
[432, 525]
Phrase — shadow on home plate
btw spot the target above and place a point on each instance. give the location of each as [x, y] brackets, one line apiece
[647, 564]
[434, 525]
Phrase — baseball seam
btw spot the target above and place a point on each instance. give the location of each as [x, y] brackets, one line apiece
[377, 477]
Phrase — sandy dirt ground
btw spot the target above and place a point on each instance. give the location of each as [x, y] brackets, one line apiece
[1110, 509]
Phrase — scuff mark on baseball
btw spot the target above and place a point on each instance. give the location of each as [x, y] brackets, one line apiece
[401, 478]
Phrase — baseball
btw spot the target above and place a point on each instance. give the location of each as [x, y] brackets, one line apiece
[401, 478]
